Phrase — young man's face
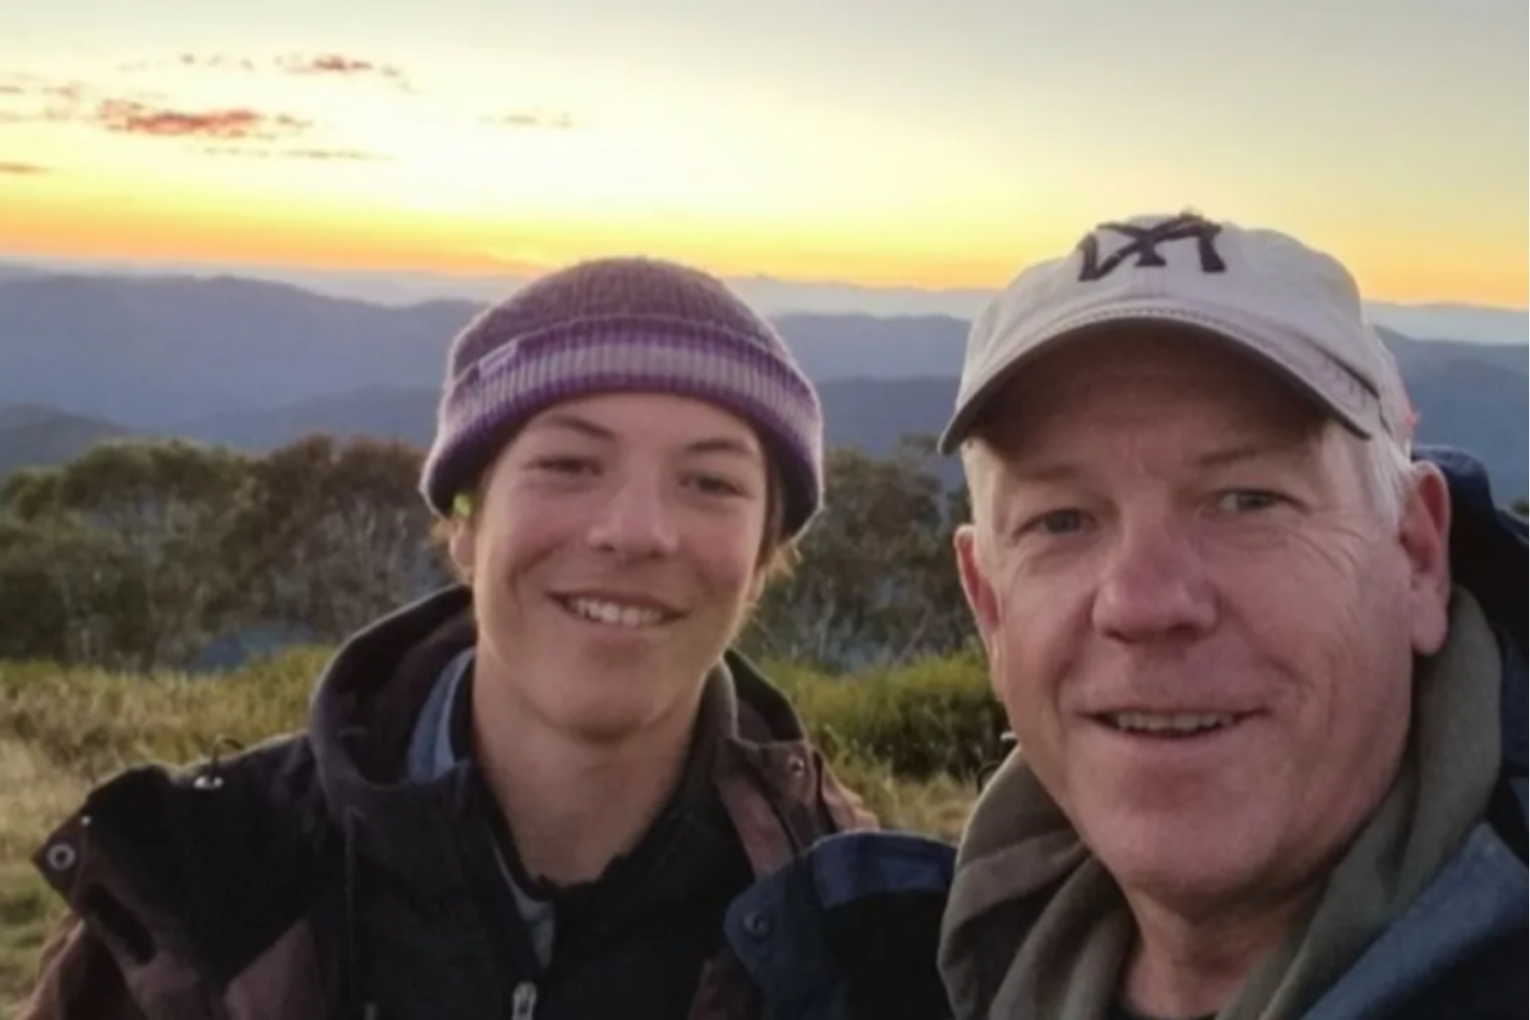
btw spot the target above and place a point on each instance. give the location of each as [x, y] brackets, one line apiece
[613, 554]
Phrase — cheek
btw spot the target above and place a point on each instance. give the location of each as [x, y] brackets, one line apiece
[723, 548]
[1312, 596]
[1331, 617]
[1042, 629]
[520, 537]
[726, 563]
[1368, 643]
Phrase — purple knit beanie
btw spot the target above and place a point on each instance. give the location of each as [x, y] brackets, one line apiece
[623, 324]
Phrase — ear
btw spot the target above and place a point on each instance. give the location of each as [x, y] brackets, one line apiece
[757, 584]
[768, 565]
[462, 546]
[1423, 531]
[975, 584]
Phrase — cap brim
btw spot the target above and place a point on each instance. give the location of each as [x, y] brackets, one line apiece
[1360, 416]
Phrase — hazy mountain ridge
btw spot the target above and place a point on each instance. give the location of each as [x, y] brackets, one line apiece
[1430, 320]
[159, 353]
[257, 364]
[34, 434]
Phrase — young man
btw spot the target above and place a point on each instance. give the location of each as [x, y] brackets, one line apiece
[540, 793]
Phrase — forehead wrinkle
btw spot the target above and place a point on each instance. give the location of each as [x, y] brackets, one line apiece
[1077, 395]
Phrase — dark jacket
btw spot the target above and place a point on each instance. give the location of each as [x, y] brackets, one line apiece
[848, 930]
[304, 878]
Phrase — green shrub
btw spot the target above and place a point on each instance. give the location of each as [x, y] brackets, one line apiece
[95, 723]
[935, 717]
[936, 807]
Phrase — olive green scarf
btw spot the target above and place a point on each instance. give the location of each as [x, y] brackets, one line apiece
[1037, 928]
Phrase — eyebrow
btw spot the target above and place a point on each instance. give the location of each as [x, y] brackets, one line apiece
[565, 421]
[727, 445]
[1282, 449]
[1059, 472]
[1054, 472]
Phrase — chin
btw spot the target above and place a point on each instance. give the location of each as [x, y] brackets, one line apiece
[1178, 862]
[602, 715]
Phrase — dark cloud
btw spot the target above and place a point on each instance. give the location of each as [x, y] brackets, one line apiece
[22, 169]
[217, 61]
[240, 130]
[29, 99]
[25, 100]
[317, 154]
[207, 61]
[32, 87]
[127, 117]
[325, 64]
[337, 65]
[532, 120]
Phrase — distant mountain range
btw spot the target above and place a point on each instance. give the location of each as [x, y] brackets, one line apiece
[167, 354]
[257, 364]
[1435, 321]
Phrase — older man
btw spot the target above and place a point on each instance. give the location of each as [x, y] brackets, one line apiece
[1265, 664]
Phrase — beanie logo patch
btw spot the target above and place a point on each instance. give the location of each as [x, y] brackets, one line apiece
[495, 361]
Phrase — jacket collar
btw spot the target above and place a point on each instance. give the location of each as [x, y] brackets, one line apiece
[1489, 556]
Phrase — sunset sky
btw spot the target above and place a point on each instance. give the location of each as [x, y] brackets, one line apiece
[939, 143]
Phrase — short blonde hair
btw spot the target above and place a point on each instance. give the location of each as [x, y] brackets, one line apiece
[1387, 470]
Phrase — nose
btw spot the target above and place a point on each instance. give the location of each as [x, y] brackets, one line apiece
[1154, 586]
[636, 522]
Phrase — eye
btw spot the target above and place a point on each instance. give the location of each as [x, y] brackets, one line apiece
[1240, 501]
[571, 466]
[715, 485]
[1058, 522]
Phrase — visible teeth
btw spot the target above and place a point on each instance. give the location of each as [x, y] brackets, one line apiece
[616, 614]
[1181, 722]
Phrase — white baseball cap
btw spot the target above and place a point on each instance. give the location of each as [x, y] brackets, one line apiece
[1295, 309]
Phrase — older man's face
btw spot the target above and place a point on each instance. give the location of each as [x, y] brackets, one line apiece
[1200, 626]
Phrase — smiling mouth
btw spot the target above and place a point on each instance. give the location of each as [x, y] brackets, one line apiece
[1168, 725]
[615, 614]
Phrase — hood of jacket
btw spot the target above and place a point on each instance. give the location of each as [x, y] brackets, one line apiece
[1489, 556]
[367, 701]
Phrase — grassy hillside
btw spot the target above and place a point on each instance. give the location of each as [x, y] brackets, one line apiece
[908, 741]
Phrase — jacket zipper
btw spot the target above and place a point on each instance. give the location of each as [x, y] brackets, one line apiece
[524, 1001]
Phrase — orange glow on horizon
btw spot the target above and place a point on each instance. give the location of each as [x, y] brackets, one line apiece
[166, 132]
[48, 222]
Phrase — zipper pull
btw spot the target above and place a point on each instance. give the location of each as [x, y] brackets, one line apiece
[523, 1002]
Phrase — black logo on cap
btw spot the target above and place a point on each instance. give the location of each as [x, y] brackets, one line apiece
[1143, 242]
